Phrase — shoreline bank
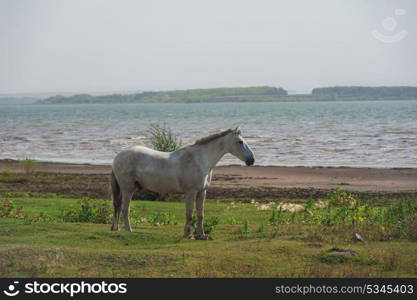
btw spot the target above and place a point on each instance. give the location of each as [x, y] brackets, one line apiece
[236, 177]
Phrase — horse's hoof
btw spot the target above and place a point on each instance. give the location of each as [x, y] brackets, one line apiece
[202, 237]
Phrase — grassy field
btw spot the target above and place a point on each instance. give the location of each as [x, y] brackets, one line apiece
[43, 239]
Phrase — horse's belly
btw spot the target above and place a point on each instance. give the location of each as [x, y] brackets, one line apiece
[160, 183]
[171, 183]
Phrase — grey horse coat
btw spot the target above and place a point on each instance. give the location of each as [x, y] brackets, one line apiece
[187, 170]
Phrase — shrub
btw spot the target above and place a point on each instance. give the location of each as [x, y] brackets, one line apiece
[88, 211]
[162, 138]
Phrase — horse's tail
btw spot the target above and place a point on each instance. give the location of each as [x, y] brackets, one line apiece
[117, 195]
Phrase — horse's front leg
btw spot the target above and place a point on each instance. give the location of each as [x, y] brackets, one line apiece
[189, 204]
[201, 197]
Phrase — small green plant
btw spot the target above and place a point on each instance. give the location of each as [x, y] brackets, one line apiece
[232, 221]
[40, 218]
[244, 231]
[210, 224]
[29, 165]
[88, 211]
[341, 198]
[162, 218]
[163, 139]
[136, 218]
[8, 209]
[278, 217]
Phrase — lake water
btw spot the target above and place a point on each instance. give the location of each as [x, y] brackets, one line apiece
[356, 134]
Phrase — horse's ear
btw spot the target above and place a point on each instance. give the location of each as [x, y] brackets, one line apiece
[237, 130]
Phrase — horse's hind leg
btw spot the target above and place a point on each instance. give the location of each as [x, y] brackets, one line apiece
[189, 204]
[127, 195]
[115, 225]
[117, 202]
[201, 197]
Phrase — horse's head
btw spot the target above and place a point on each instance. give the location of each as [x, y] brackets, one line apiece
[238, 147]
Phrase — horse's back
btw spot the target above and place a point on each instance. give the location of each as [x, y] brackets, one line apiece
[137, 156]
[147, 167]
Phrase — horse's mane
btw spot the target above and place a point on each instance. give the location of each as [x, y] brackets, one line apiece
[209, 138]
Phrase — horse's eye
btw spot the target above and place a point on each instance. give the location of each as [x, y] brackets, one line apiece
[240, 142]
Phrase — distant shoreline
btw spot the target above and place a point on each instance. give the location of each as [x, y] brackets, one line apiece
[277, 100]
[244, 94]
[35, 102]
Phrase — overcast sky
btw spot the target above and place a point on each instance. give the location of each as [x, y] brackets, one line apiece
[105, 46]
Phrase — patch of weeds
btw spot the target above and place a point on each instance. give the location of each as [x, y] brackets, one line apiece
[210, 224]
[399, 220]
[88, 211]
[136, 218]
[162, 218]
[8, 209]
[40, 218]
[341, 198]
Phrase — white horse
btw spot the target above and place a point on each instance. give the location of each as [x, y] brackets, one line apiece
[187, 170]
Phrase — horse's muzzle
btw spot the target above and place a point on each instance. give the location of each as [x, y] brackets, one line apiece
[250, 161]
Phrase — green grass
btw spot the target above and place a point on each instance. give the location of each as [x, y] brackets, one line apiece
[241, 246]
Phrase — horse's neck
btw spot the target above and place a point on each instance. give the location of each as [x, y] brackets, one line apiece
[211, 152]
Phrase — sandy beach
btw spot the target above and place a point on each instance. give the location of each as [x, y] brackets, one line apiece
[248, 182]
